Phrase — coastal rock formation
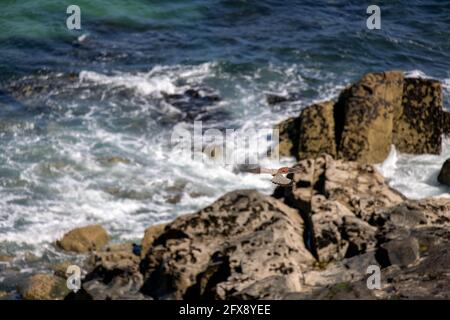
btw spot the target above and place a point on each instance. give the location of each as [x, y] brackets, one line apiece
[370, 115]
[316, 131]
[418, 123]
[288, 137]
[150, 234]
[368, 112]
[444, 174]
[313, 240]
[84, 239]
[338, 199]
[44, 287]
[238, 243]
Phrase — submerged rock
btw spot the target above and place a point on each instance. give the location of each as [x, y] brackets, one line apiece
[84, 239]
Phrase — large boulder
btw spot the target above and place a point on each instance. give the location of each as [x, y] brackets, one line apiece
[444, 174]
[233, 245]
[368, 116]
[381, 109]
[44, 287]
[317, 132]
[419, 122]
[84, 239]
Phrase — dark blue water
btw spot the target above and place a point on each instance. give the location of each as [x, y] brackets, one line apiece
[84, 118]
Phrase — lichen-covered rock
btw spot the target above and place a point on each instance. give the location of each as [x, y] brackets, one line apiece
[84, 239]
[242, 238]
[317, 132]
[368, 108]
[444, 174]
[418, 123]
[338, 201]
[288, 137]
[446, 123]
[44, 287]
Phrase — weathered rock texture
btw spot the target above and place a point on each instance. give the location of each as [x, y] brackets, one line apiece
[44, 287]
[370, 115]
[419, 123]
[84, 239]
[237, 244]
[317, 132]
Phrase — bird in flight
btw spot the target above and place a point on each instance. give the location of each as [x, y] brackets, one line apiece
[278, 174]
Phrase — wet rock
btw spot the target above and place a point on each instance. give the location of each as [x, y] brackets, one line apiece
[273, 99]
[242, 238]
[444, 174]
[418, 123]
[150, 234]
[44, 287]
[317, 131]
[84, 239]
[368, 116]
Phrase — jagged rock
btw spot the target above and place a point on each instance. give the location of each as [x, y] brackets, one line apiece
[316, 129]
[288, 137]
[44, 287]
[242, 238]
[337, 232]
[84, 239]
[150, 234]
[338, 201]
[418, 123]
[368, 114]
[444, 174]
[115, 274]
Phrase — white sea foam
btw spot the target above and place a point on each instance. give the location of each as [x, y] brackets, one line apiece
[72, 185]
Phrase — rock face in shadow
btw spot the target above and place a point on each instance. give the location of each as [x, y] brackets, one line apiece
[381, 109]
[444, 174]
[238, 243]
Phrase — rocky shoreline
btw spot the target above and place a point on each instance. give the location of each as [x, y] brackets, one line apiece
[315, 239]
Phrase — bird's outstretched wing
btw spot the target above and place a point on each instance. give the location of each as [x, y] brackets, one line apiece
[281, 180]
